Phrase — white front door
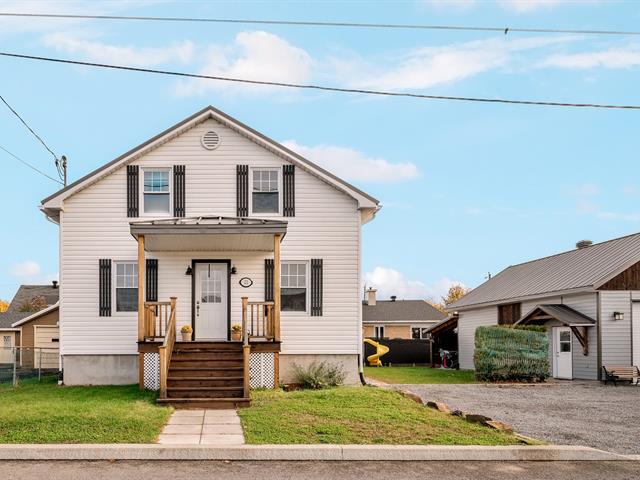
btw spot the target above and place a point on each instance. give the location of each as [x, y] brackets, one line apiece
[562, 360]
[6, 348]
[211, 296]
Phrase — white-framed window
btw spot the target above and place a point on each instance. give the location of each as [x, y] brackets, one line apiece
[294, 283]
[156, 190]
[265, 191]
[419, 333]
[378, 331]
[126, 286]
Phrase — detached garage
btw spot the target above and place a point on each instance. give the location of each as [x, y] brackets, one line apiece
[40, 339]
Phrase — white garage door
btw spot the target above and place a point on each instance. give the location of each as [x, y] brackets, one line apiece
[46, 343]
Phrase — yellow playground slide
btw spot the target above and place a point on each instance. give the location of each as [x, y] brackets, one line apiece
[374, 360]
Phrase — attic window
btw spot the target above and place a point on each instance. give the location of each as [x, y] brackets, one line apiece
[210, 140]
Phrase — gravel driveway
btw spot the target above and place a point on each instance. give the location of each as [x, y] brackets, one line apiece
[570, 413]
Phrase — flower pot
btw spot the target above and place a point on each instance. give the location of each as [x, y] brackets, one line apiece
[236, 336]
[186, 336]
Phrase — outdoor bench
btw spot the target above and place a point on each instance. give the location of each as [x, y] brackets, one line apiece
[625, 373]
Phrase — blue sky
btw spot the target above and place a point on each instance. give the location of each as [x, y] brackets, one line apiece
[467, 188]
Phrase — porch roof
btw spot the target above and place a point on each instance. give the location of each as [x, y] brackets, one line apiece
[562, 313]
[208, 233]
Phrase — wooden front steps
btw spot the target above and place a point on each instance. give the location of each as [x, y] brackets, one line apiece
[206, 375]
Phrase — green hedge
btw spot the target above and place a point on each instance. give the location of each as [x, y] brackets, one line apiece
[514, 354]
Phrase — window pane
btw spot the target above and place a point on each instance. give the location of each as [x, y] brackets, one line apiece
[126, 299]
[565, 336]
[264, 202]
[565, 347]
[293, 299]
[415, 333]
[156, 181]
[156, 203]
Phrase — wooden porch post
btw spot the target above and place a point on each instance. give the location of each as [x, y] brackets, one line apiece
[276, 285]
[141, 265]
[141, 283]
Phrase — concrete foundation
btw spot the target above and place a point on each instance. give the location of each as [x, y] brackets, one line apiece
[100, 369]
[349, 365]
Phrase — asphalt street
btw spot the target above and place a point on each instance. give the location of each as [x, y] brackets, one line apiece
[200, 470]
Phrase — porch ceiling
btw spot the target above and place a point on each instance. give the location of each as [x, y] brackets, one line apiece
[208, 234]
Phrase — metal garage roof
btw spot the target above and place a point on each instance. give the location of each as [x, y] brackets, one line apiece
[579, 269]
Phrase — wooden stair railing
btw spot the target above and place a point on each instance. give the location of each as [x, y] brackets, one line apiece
[156, 318]
[260, 319]
[166, 349]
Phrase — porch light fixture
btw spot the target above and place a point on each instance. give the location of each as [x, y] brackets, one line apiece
[233, 270]
[618, 315]
[189, 271]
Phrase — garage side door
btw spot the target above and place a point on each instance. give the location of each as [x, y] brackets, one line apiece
[635, 332]
[46, 343]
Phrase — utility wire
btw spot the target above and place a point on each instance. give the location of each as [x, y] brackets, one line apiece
[29, 128]
[398, 26]
[324, 88]
[29, 165]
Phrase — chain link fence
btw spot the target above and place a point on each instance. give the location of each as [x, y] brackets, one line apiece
[21, 363]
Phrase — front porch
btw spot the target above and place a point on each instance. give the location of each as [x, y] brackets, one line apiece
[219, 367]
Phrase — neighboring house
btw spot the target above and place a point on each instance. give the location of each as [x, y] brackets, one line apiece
[589, 298]
[397, 318]
[210, 212]
[31, 305]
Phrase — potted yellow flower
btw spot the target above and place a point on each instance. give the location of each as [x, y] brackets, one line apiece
[186, 331]
[236, 332]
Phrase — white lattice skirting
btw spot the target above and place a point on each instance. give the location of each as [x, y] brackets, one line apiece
[152, 371]
[262, 369]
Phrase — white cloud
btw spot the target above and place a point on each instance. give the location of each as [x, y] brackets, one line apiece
[26, 269]
[391, 282]
[587, 190]
[590, 208]
[460, 5]
[430, 66]
[253, 55]
[354, 165]
[123, 54]
[626, 57]
[523, 6]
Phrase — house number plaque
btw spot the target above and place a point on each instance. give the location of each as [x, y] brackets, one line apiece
[245, 282]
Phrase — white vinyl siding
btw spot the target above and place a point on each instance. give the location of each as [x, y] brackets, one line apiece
[467, 324]
[94, 226]
[585, 367]
[616, 334]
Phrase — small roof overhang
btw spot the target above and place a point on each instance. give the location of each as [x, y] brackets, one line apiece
[36, 315]
[448, 324]
[562, 313]
[209, 233]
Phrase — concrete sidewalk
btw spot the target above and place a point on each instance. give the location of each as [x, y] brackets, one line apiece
[203, 427]
[306, 452]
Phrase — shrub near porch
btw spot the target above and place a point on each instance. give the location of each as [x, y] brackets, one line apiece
[356, 415]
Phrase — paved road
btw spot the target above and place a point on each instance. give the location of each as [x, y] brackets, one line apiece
[569, 413]
[188, 470]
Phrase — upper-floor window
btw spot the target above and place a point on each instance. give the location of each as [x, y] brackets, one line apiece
[156, 193]
[419, 333]
[508, 314]
[293, 288]
[265, 192]
[126, 286]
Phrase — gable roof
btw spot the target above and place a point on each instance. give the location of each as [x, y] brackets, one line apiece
[400, 311]
[36, 315]
[54, 201]
[583, 269]
[562, 313]
[24, 294]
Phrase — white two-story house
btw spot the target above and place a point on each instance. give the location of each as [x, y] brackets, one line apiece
[213, 225]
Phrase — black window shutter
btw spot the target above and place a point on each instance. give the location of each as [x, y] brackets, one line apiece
[178, 191]
[151, 276]
[268, 280]
[104, 291]
[316, 287]
[289, 190]
[242, 190]
[132, 190]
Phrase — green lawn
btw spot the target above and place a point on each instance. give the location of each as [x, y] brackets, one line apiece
[46, 413]
[413, 375]
[356, 415]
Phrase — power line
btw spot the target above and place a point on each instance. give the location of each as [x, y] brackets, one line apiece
[398, 26]
[29, 165]
[325, 88]
[28, 127]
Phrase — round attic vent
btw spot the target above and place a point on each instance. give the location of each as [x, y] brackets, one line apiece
[210, 140]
